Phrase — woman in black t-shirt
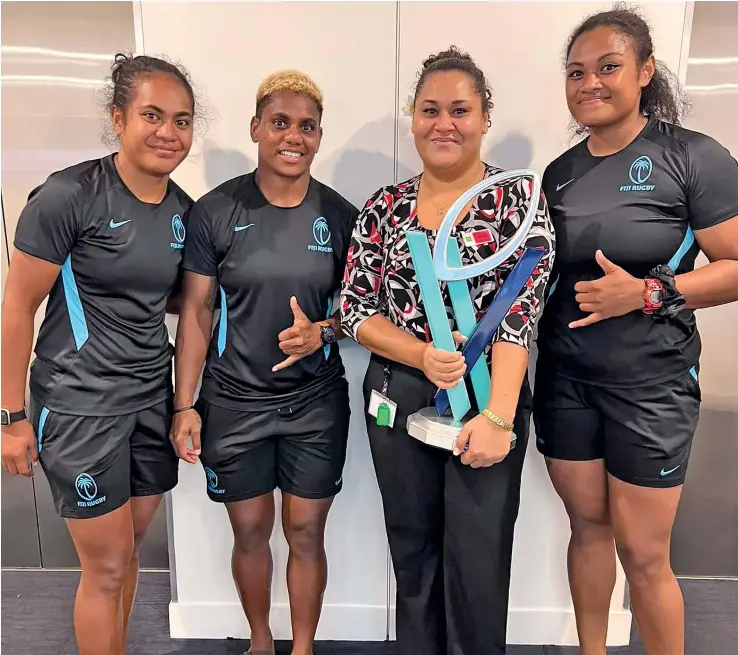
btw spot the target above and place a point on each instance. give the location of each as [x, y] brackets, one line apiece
[617, 394]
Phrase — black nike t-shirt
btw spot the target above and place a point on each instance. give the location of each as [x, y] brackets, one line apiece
[103, 348]
[261, 256]
[640, 206]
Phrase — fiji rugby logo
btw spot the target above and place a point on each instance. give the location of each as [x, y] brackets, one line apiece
[179, 232]
[87, 490]
[640, 171]
[212, 480]
[322, 236]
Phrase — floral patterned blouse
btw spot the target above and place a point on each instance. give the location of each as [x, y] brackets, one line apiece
[380, 278]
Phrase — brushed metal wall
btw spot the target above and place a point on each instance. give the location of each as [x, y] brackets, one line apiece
[54, 56]
[705, 539]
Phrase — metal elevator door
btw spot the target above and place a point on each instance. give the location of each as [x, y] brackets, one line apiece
[705, 537]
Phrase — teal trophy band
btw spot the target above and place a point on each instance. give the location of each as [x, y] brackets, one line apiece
[445, 264]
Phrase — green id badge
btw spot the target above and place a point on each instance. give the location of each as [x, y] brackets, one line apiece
[383, 415]
[382, 409]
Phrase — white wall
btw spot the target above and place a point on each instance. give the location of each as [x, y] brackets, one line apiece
[365, 57]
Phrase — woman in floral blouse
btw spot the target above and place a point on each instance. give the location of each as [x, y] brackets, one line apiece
[449, 516]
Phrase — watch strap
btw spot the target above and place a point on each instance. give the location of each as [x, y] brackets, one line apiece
[673, 302]
[651, 286]
[8, 418]
[326, 329]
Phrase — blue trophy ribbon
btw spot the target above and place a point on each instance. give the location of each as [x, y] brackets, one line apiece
[445, 264]
[484, 331]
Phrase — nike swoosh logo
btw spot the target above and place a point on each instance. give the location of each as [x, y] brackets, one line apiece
[561, 186]
[113, 224]
[238, 228]
[663, 473]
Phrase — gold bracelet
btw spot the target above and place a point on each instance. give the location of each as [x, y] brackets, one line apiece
[497, 420]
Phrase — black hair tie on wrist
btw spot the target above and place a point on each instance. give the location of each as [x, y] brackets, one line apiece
[674, 302]
[183, 409]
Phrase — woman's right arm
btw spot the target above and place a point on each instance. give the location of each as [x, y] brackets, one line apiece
[360, 314]
[47, 230]
[197, 305]
[193, 337]
[29, 281]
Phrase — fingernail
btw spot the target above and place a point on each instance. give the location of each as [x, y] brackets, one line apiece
[456, 451]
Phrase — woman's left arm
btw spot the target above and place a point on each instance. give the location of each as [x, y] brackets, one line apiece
[717, 283]
[304, 337]
[489, 435]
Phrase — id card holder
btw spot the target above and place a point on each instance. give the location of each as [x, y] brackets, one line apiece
[380, 406]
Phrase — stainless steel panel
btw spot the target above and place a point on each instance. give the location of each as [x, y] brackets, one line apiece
[54, 57]
[705, 538]
[20, 543]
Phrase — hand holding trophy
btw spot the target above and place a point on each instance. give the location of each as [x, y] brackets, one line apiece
[433, 425]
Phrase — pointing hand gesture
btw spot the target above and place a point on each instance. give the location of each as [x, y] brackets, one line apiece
[300, 340]
[615, 294]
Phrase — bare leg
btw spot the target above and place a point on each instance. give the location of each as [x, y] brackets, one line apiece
[304, 521]
[591, 556]
[143, 509]
[105, 546]
[643, 518]
[252, 522]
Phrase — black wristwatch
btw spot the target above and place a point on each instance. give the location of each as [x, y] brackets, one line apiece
[327, 334]
[8, 418]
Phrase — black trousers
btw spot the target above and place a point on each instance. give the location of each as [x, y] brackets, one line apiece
[450, 527]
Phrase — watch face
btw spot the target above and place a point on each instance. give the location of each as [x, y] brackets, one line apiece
[5, 417]
[329, 336]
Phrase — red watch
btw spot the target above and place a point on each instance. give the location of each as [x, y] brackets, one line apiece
[653, 295]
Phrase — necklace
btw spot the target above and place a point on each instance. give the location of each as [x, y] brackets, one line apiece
[441, 210]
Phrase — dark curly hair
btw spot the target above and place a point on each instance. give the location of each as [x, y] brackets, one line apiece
[455, 60]
[663, 98]
[126, 73]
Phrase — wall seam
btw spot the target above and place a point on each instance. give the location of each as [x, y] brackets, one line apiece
[138, 28]
[395, 175]
[686, 42]
[396, 144]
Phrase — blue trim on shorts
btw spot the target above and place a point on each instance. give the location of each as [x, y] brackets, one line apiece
[41, 421]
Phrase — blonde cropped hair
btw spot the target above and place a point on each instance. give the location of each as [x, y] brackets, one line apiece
[288, 80]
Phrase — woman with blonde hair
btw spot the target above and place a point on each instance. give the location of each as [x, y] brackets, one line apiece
[269, 249]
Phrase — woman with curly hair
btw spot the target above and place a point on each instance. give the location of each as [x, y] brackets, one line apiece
[450, 517]
[617, 393]
[103, 240]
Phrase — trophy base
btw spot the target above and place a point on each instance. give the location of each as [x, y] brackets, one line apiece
[439, 431]
[430, 428]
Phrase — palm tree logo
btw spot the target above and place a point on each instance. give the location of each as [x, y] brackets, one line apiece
[640, 170]
[178, 228]
[86, 487]
[321, 232]
[212, 478]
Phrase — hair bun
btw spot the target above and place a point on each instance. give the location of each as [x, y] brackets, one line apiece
[452, 53]
[120, 60]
